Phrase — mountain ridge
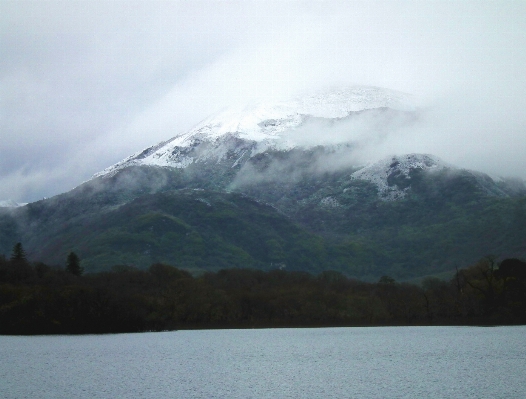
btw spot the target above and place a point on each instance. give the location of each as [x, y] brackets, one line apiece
[264, 127]
[405, 215]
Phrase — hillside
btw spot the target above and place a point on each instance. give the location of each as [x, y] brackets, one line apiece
[196, 229]
[278, 186]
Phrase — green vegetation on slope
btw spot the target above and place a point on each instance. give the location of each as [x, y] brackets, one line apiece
[197, 230]
[315, 219]
[446, 219]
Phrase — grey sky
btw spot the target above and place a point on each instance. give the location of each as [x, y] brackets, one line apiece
[84, 84]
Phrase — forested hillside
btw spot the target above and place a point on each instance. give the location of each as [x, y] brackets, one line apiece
[295, 221]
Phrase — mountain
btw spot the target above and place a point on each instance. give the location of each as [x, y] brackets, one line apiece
[279, 185]
[240, 133]
[196, 229]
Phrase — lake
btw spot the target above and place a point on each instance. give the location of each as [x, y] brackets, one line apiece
[372, 362]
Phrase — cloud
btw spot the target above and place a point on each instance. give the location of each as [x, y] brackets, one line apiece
[102, 79]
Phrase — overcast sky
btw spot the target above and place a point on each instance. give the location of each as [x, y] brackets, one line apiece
[83, 84]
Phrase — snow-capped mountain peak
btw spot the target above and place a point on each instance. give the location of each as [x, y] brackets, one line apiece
[259, 121]
[255, 128]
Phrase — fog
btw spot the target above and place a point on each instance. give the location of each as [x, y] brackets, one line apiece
[84, 84]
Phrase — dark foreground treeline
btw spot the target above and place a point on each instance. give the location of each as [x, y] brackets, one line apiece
[37, 299]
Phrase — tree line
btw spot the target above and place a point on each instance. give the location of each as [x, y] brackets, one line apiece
[38, 299]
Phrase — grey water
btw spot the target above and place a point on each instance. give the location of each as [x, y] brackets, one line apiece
[381, 362]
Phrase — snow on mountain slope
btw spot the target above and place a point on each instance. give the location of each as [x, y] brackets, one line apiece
[392, 175]
[263, 120]
[333, 120]
[383, 172]
[255, 128]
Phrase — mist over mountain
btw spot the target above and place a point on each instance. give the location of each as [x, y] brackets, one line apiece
[288, 184]
[352, 115]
